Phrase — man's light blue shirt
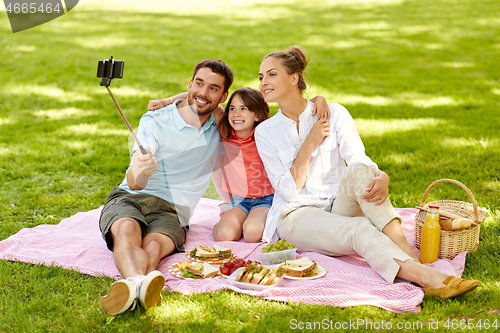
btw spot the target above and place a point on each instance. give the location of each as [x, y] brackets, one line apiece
[186, 156]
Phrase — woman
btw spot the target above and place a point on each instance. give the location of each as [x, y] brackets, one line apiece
[321, 204]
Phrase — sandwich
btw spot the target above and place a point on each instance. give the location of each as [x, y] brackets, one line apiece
[222, 250]
[302, 267]
[273, 275]
[259, 274]
[198, 270]
[246, 274]
[215, 252]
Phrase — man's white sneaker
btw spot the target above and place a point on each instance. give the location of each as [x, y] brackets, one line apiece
[148, 288]
[121, 297]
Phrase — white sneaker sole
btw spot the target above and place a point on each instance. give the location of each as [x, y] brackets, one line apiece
[120, 297]
[150, 290]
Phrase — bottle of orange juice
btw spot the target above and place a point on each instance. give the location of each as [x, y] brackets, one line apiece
[431, 232]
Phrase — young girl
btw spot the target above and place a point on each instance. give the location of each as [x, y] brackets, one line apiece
[243, 174]
[239, 176]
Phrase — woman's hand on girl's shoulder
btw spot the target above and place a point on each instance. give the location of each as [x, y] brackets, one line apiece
[321, 107]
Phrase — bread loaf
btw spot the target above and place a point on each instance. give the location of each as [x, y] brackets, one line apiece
[455, 224]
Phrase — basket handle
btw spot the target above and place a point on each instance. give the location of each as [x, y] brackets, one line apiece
[447, 180]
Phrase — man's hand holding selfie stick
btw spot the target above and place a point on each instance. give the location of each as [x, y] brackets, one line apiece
[144, 164]
[143, 167]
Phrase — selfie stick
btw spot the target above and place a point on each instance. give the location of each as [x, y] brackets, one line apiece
[143, 151]
[108, 70]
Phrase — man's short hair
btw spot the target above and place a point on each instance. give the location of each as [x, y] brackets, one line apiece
[219, 67]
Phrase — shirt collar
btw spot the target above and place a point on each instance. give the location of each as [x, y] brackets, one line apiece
[304, 116]
[179, 122]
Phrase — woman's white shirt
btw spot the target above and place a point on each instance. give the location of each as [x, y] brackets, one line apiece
[279, 142]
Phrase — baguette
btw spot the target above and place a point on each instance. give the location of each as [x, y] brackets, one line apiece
[445, 213]
[455, 224]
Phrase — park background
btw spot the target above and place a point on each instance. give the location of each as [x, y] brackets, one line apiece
[420, 77]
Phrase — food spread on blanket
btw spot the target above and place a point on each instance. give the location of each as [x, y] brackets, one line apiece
[279, 245]
[229, 267]
[212, 254]
[301, 268]
[256, 273]
[450, 221]
[197, 270]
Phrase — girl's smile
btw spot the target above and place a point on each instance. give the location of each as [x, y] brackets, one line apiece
[240, 117]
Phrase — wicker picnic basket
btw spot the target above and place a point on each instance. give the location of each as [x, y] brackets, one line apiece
[454, 241]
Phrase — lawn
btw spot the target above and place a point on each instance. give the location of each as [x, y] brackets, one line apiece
[420, 77]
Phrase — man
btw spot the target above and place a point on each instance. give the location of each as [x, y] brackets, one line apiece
[146, 217]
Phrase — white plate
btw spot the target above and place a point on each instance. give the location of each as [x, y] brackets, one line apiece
[321, 272]
[250, 286]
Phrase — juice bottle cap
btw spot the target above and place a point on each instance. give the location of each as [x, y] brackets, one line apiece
[435, 207]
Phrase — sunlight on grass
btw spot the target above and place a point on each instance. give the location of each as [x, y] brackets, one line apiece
[427, 102]
[492, 185]
[358, 99]
[78, 144]
[221, 7]
[417, 29]
[6, 121]
[434, 46]
[416, 99]
[406, 158]
[47, 91]
[131, 91]
[458, 64]
[464, 142]
[58, 114]
[494, 215]
[373, 127]
[94, 129]
[99, 42]
[23, 48]
[175, 310]
[4, 151]
[496, 91]
[369, 26]
[381, 33]
[314, 40]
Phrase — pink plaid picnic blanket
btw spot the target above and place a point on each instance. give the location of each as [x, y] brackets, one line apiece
[76, 243]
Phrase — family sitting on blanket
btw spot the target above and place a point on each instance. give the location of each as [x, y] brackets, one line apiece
[320, 204]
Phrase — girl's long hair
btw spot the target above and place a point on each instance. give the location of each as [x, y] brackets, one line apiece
[255, 103]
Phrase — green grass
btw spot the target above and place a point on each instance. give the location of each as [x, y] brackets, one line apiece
[421, 79]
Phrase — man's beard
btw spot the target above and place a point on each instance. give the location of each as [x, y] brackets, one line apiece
[203, 112]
